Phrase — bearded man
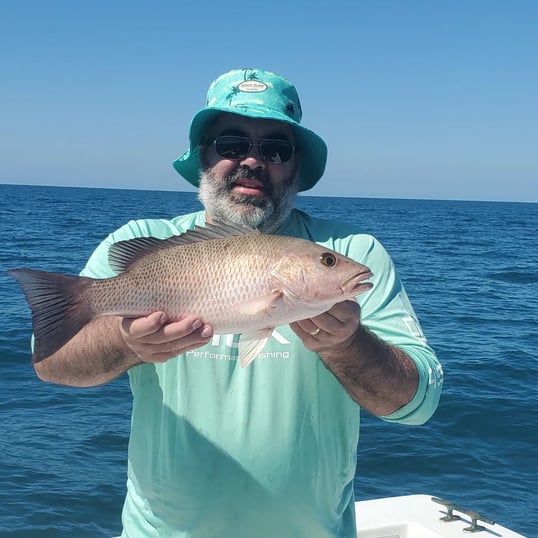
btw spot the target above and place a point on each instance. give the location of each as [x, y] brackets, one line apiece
[217, 450]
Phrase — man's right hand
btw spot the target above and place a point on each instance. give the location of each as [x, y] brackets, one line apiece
[155, 339]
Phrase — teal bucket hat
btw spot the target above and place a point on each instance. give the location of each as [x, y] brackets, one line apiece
[255, 93]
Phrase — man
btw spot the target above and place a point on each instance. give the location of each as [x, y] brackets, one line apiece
[217, 450]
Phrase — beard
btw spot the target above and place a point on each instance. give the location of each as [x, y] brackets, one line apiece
[264, 213]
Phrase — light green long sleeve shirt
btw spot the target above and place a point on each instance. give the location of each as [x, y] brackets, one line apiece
[217, 450]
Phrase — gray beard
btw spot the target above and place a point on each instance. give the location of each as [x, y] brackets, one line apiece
[265, 214]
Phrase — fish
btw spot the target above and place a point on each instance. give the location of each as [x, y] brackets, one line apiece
[234, 278]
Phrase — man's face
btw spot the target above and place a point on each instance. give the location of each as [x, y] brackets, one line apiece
[251, 189]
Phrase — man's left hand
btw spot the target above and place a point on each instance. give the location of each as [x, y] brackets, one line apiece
[334, 329]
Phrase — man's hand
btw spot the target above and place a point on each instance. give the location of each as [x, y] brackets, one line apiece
[155, 339]
[333, 330]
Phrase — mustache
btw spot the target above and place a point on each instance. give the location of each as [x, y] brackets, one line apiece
[257, 174]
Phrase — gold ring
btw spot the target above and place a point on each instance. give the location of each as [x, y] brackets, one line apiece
[316, 332]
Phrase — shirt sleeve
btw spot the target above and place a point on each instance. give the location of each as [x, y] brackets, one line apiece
[387, 312]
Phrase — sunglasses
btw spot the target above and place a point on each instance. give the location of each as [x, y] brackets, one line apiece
[238, 147]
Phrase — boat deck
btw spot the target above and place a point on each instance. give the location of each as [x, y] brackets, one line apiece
[418, 516]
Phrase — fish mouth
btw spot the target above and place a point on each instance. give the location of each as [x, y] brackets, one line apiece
[355, 284]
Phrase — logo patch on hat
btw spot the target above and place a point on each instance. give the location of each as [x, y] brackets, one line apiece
[252, 86]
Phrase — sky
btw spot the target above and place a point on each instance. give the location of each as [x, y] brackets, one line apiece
[415, 99]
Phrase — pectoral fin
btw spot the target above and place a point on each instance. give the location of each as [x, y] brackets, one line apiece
[251, 344]
[260, 305]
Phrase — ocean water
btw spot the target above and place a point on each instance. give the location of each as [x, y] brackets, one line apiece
[471, 270]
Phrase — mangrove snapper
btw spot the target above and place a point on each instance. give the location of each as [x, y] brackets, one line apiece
[235, 279]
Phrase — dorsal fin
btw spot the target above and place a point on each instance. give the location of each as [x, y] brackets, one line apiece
[123, 254]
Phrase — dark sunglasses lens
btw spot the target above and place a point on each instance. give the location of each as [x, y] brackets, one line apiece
[238, 147]
[232, 147]
[276, 151]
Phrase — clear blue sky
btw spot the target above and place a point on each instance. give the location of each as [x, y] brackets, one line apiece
[416, 99]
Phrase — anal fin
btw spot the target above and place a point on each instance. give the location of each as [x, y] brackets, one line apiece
[251, 344]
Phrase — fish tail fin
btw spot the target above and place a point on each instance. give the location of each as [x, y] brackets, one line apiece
[58, 308]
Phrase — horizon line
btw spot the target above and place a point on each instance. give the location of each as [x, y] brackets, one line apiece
[301, 194]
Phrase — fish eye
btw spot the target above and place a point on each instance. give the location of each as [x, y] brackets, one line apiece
[328, 259]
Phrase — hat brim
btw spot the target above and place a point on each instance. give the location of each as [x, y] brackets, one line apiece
[311, 148]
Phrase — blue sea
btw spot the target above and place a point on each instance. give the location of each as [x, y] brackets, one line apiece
[471, 270]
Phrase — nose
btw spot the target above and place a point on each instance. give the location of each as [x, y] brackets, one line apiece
[253, 159]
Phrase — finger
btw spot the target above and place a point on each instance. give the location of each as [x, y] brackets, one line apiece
[165, 351]
[143, 326]
[319, 325]
[307, 326]
[306, 330]
[158, 330]
[330, 328]
[338, 315]
[345, 311]
[163, 345]
[181, 329]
